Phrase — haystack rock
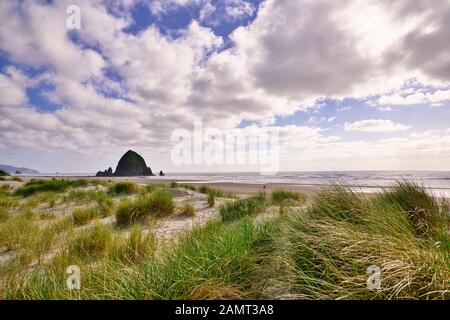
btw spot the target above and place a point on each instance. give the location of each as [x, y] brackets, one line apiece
[131, 164]
[161, 174]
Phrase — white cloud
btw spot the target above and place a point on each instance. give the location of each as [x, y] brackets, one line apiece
[375, 125]
[277, 65]
[12, 93]
[238, 9]
[416, 98]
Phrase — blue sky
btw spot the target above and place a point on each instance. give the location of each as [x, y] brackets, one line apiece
[362, 88]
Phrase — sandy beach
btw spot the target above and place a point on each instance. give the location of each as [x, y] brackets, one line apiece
[234, 187]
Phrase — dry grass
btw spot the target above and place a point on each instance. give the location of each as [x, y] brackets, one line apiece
[188, 210]
[319, 252]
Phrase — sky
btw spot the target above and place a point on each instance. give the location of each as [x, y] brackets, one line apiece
[348, 84]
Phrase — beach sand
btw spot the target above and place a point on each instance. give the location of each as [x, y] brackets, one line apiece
[234, 187]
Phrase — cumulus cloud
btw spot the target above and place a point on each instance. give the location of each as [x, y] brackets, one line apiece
[12, 92]
[276, 65]
[375, 125]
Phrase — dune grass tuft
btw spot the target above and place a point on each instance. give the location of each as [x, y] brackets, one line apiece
[218, 193]
[92, 242]
[53, 185]
[234, 210]
[135, 247]
[5, 189]
[82, 216]
[126, 188]
[4, 214]
[327, 249]
[175, 184]
[152, 187]
[18, 231]
[211, 199]
[424, 213]
[188, 210]
[280, 195]
[104, 208]
[157, 204]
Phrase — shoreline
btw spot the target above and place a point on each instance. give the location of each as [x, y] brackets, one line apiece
[240, 188]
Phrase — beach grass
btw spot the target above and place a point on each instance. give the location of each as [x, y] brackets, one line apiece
[329, 247]
[188, 210]
[321, 250]
[280, 195]
[157, 204]
[188, 186]
[123, 188]
[151, 187]
[217, 192]
[52, 185]
[234, 210]
[93, 242]
[211, 199]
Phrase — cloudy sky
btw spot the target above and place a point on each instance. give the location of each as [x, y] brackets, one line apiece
[350, 84]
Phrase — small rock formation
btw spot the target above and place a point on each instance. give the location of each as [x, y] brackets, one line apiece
[131, 164]
[106, 173]
[161, 174]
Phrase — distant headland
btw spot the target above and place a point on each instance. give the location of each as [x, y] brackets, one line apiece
[17, 170]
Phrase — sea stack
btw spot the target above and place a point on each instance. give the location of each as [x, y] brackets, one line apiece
[131, 164]
[161, 174]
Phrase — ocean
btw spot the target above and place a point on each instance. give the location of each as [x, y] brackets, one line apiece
[366, 181]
